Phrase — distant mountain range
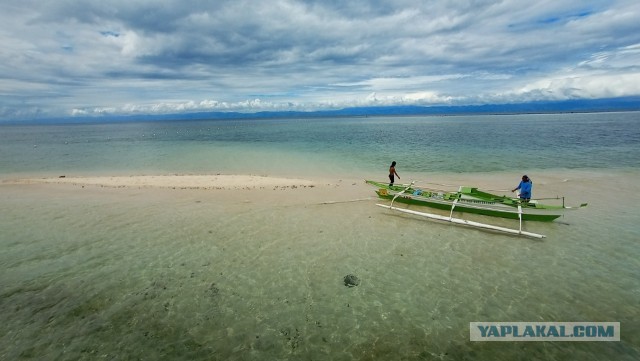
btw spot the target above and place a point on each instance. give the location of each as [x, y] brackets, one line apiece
[567, 106]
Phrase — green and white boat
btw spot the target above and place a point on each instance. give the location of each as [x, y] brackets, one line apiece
[469, 200]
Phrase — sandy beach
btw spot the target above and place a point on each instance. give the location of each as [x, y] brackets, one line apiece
[496, 181]
[227, 190]
[218, 181]
[232, 188]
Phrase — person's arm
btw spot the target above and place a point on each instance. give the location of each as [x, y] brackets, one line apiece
[516, 188]
[396, 173]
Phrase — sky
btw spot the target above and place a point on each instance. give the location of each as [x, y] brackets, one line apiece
[124, 57]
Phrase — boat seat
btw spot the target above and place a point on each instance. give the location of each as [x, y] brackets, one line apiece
[451, 196]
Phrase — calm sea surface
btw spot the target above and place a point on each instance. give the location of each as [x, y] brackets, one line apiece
[418, 144]
[125, 274]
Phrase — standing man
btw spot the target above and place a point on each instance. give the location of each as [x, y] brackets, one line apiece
[392, 172]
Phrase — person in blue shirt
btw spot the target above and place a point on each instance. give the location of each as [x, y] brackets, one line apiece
[525, 187]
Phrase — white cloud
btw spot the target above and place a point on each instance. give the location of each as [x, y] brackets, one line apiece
[117, 56]
[587, 87]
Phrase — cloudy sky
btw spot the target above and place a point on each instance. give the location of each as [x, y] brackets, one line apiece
[67, 57]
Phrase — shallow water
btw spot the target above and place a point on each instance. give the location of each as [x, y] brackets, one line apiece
[125, 273]
[128, 273]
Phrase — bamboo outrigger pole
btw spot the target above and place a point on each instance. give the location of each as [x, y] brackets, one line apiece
[519, 232]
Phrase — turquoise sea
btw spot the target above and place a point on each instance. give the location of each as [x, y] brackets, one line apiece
[192, 274]
[458, 144]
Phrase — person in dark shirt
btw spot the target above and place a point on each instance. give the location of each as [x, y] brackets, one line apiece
[392, 172]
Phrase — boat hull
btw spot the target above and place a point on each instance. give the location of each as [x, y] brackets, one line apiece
[469, 200]
[509, 213]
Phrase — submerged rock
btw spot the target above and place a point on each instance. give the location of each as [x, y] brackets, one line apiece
[351, 281]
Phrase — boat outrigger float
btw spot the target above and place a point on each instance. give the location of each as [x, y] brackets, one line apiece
[471, 200]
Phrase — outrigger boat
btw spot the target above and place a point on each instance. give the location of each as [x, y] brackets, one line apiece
[470, 200]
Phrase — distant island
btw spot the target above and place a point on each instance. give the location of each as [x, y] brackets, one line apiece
[566, 106]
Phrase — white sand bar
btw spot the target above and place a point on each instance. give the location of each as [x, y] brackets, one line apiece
[176, 181]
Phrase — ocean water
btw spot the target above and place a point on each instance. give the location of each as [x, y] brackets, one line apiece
[328, 146]
[126, 273]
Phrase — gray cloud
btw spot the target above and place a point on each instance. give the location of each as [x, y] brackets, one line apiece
[112, 56]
